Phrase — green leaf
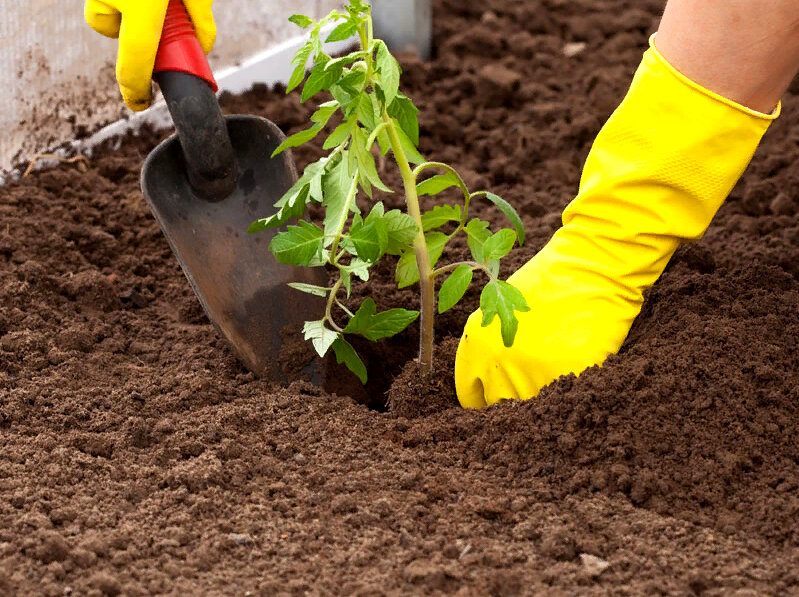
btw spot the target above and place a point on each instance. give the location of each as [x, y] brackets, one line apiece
[370, 240]
[343, 31]
[352, 81]
[366, 163]
[343, 97]
[292, 203]
[301, 21]
[389, 70]
[377, 213]
[359, 268]
[436, 241]
[295, 207]
[311, 173]
[406, 113]
[337, 184]
[264, 224]
[320, 58]
[338, 136]
[320, 80]
[440, 215]
[316, 193]
[385, 142]
[298, 139]
[413, 155]
[366, 112]
[502, 299]
[321, 337]
[298, 245]
[292, 206]
[347, 89]
[498, 245]
[510, 213]
[352, 57]
[401, 231]
[407, 271]
[375, 326]
[435, 184]
[346, 279]
[454, 287]
[359, 6]
[310, 289]
[346, 354]
[300, 60]
[324, 112]
[476, 235]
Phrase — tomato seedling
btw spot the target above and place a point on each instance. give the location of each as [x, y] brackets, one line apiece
[364, 87]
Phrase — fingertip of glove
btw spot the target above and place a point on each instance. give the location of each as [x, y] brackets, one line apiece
[204, 24]
[207, 39]
[469, 391]
[135, 101]
[473, 400]
[104, 24]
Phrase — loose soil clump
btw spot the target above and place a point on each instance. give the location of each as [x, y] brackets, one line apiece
[138, 457]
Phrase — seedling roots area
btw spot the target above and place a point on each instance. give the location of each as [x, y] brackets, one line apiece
[137, 457]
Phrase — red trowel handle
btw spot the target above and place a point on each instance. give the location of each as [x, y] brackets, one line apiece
[180, 50]
[188, 85]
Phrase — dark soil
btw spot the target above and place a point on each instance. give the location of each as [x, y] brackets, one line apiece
[137, 457]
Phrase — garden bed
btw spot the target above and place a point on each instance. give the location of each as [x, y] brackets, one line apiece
[138, 457]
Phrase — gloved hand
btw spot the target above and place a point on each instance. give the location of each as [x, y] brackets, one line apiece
[656, 175]
[138, 24]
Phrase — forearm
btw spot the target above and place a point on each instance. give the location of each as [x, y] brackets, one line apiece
[744, 50]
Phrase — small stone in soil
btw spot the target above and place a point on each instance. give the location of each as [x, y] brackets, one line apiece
[572, 49]
[240, 539]
[593, 565]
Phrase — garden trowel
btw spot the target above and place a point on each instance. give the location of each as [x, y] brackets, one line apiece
[206, 185]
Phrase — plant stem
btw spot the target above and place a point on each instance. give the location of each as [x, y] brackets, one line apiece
[331, 299]
[453, 266]
[462, 185]
[363, 34]
[420, 248]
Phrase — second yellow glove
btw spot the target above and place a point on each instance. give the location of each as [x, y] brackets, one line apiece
[138, 24]
[657, 173]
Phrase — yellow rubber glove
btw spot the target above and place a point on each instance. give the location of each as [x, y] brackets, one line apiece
[138, 24]
[656, 175]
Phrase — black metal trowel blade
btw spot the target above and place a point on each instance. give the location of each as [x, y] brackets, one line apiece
[237, 280]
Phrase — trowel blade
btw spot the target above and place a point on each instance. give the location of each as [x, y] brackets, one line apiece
[236, 279]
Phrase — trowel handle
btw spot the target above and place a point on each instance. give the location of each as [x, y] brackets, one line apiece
[185, 78]
[180, 50]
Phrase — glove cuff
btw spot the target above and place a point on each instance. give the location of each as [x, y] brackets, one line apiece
[667, 158]
[711, 94]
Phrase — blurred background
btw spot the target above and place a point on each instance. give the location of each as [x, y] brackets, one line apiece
[57, 75]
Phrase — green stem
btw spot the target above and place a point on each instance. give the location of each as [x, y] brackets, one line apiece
[466, 194]
[420, 248]
[343, 307]
[363, 33]
[331, 299]
[472, 264]
[373, 137]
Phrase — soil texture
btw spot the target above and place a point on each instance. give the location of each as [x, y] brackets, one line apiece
[137, 457]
